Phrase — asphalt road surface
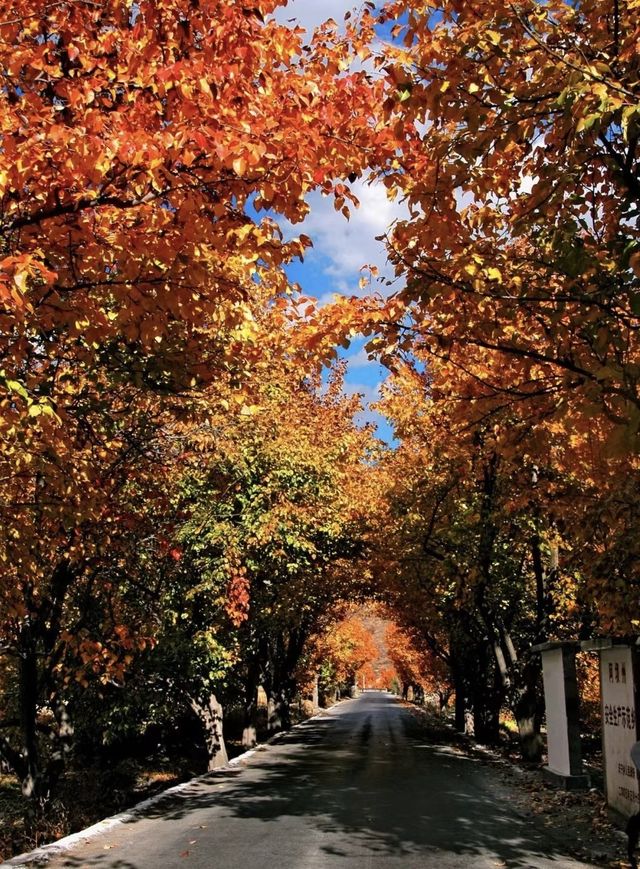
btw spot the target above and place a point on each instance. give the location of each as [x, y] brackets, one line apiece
[360, 788]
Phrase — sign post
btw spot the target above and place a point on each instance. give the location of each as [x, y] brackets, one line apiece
[620, 732]
[562, 702]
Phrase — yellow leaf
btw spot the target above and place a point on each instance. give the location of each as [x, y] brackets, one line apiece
[239, 165]
[20, 280]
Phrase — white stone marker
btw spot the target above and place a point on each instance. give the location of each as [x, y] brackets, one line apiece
[563, 722]
[619, 723]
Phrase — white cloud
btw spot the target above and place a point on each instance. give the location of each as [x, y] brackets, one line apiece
[359, 359]
[351, 244]
[348, 245]
[369, 391]
[341, 248]
[311, 13]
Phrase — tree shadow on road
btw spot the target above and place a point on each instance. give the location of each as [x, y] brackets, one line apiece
[365, 795]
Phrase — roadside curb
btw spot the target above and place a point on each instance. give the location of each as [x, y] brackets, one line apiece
[41, 856]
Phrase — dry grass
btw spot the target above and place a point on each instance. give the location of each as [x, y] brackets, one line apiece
[86, 796]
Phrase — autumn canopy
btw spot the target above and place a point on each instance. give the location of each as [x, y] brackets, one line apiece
[191, 511]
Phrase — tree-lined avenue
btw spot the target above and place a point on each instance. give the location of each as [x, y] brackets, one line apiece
[362, 786]
[194, 515]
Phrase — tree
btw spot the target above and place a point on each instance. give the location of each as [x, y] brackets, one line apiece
[459, 570]
[132, 267]
[511, 134]
[493, 538]
[269, 524]
[344, 653]
[416, 665]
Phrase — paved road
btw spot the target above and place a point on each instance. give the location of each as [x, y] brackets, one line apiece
[360, 788]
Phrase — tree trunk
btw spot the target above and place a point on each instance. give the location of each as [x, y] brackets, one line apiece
[528, 711]
[274, 721]
[315, 698]
[468, 727]
[486, 721]
[38, 650]
[32, 779]
[279, 711]
[209, 713]
[62, 739]
[250, 729]
[488, 699]
[284, 654]
[463, 708]
[443, 700]
[529, 733]
[460, 709]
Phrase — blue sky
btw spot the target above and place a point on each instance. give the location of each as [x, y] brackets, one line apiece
[342, 247]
